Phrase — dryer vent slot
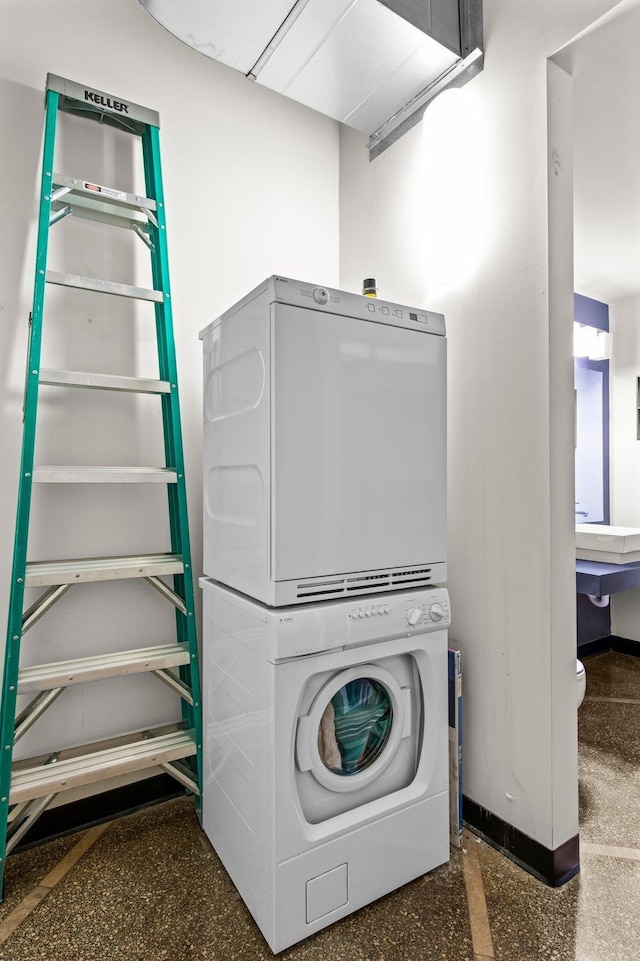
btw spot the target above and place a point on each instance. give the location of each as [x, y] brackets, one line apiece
[314, 584]
[368, 577]
[362, 586]
[412, 580]
[369, 582]
[321, 593]
[411, 577]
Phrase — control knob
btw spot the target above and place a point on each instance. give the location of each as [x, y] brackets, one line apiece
[413, 615]
[436, 612]
[321, 295]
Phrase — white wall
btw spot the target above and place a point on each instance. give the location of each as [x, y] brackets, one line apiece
[454, 217]
[606, 73]
[251, 184]
[624, 370]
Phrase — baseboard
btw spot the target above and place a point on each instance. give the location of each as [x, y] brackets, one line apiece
[83, 814]
[624, 645]
[612, 642]
[554, 868]
[601, 645]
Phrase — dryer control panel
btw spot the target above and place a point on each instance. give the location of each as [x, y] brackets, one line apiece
[299, 294]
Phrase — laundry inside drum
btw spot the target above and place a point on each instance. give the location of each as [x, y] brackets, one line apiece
[355, 726]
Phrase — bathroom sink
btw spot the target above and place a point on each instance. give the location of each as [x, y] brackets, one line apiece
[612, 545]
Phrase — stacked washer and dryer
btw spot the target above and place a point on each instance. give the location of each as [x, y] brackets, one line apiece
[325, 622]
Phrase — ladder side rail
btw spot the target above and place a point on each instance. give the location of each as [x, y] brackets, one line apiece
[16, 600]
[178, 514]
[167, 363]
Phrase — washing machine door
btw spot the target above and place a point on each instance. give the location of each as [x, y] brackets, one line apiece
[354, 728]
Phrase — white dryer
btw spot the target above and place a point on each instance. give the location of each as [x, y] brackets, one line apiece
[325, 763]
[324, 445]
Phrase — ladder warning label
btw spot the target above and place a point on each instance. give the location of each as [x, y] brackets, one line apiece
[107, 191]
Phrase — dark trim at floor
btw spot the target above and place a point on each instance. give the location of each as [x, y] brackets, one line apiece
[602, 645]
[623, 645]
[86, 813]
[555, 868]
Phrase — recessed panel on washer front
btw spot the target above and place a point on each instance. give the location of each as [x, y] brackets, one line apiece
[358, 445]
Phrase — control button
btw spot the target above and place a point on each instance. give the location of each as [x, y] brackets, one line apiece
[385, 311]
[413, 615]
[371, 307]
[367, 612]
[397, 313]
[381, 610]
[321, 295]
[437, 612]
[374, 610]
[360, 613]
[386, 608]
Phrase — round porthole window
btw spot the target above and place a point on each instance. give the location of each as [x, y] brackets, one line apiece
[353, 729]
[355, 726]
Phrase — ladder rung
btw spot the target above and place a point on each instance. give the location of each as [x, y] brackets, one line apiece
[76, 378]
[104, 475]
[85, 190]
[104, 286]
[97, 213]
[83, 570]
[45, 677]
[87, 768]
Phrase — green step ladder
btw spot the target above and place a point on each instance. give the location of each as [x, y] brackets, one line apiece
[28, 786]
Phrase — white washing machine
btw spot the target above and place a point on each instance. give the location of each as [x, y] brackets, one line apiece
[325, 761]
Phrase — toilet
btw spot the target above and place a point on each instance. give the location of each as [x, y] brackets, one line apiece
[582, 681]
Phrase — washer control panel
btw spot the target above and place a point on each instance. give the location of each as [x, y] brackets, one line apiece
[403, 613]
[351, 622]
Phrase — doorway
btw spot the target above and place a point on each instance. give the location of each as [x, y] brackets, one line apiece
[595, 213]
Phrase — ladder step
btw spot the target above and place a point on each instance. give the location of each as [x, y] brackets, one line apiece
[76, 378]
[45, 677]
[91, 766]
[104, 475]
[87, 192]
[84, 570]
[97, 213]
[103, 286]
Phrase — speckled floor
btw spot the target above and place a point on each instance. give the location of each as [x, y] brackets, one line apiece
[151, 887]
